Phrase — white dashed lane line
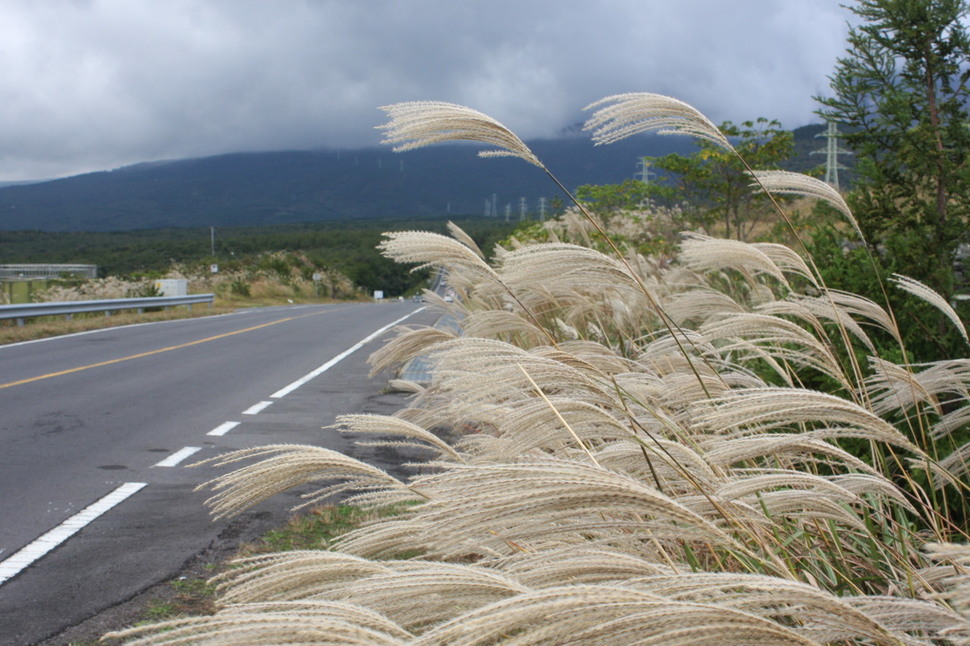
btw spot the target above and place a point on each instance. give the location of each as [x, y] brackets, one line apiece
[256, 408]
[14, 564]
[178, 456]
[20, 560]
[223, 428]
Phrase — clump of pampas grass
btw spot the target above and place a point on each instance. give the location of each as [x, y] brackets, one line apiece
[663, 452]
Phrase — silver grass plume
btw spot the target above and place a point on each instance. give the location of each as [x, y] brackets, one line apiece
[787, 182]
[954, 560]
[623, 115]
[434, 250]
[416, 124]
[813, 310]
[319, 623]
[773, 339]
[929, 295]
[458, 234]
[703, 253]
[794, 449]
[787, 260]
[755, 410]
[285, 466]
[608, 615]
[408, 344]
[387, 425]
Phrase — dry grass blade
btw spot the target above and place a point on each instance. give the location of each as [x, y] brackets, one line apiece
[892, 387]
[458, 234]
[772, 338]
[753, 411]
[503, 324]
[417, 124]
[502, 508]
[535, 425]
[820, 614]
[622, 115]
[927, 294]
[434, 250]
[791, 448]
[304, 622]
[862, 307]
[286, 466]
[787, 260]
[608, 615]
[561, 266]
[918, 617]
[577, 564]
[957, 464]
[294, 575]
[389, 587]
[780, 181]
[386, 425]
[700, 305]
[407, 345]
[703, 253]
[954, 560]
[812, 310]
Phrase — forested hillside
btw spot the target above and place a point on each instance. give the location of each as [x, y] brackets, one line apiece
[257, 189]
[348, 246]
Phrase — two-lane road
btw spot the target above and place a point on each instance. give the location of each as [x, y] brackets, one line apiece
[94, 428]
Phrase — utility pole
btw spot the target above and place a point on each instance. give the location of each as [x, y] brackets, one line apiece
[832, 152]
[521, 209]
[212, 241]
[542, 209]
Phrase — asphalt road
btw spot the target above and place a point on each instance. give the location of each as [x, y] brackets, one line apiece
[95, 430]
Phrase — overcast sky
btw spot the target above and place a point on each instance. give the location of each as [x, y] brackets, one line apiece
[97, 84]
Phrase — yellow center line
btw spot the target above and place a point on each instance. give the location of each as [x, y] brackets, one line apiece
[147, 354]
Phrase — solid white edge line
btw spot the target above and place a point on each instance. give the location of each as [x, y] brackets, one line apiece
[178, 456]
[256, 408]
[14, 564]
[223, 428]
[283, 392]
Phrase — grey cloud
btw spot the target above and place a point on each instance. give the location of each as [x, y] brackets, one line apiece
[99, 84]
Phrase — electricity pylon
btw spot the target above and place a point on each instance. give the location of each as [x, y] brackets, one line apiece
[644, 174]
[832, 152]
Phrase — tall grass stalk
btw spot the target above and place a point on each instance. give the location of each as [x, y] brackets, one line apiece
[696, 452]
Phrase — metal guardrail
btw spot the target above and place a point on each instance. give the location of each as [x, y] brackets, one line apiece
[67, 308]
[34, 271]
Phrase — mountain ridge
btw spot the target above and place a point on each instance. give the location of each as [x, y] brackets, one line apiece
[284, 187]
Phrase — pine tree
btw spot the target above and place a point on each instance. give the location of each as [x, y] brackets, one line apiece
[900, 95]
